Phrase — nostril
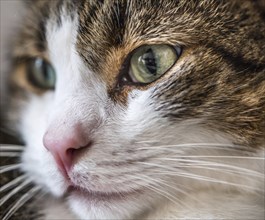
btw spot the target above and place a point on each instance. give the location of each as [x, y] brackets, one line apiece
[76, 153]
[72, 155]
[70, 152]
[65, 160]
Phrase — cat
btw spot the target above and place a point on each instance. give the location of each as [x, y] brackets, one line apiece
[133, 109]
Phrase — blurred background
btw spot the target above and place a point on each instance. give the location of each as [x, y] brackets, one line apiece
[10, 20]
[11, 17]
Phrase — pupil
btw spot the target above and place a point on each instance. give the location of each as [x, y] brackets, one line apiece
[149, 61]
[45, 71]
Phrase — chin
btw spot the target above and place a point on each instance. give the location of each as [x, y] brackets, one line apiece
[86, 207]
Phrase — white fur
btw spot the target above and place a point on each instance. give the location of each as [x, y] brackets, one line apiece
[145, 144]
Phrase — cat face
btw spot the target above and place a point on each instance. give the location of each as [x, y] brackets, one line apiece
[128, 105]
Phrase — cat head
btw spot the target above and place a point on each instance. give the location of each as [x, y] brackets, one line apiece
[123, 101]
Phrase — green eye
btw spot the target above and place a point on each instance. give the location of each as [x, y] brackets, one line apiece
[41, 74]
[150, 62]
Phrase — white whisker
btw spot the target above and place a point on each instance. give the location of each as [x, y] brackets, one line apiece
[193, 176]
[158, 190]
[229, 147]
[7, 147]
[214, 164]
[20, 202]
[160, 181]
[222, 157]
[146, 142]
[14, 191]
[11, 167]
[12, 183]
[7, 131]
[196, 144]
[9, 154]
[227, 171]
[212, 180]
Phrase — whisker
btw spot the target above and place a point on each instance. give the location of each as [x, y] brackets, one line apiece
[146, 142]
[194, 144]
[20, 202]
[208, 179]
[234, 172]
[158, 191]
[194, 176]
[9, 154]
[7, 168]
[222, 157]
[160, 181]
[14, 191]
[229, 147]
[216, 165]
[7, 147]
[12, 183]
[7, 131]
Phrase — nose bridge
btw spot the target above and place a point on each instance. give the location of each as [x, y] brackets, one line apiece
[76, 104]
[73, 119]
[77, 88]
[71, 111]
[77, 99]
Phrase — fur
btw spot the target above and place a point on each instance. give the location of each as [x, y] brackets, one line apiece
[189, 145]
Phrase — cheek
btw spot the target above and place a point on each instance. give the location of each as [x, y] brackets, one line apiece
[139, 116]
[34, 118]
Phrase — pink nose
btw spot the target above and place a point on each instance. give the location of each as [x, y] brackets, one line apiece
[63, 145]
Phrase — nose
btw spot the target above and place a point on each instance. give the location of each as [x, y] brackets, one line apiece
[63, 144]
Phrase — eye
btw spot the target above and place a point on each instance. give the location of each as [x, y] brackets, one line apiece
[150, 62]
[41, 74]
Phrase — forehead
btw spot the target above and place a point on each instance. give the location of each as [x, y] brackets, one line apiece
[122, 25]
[104, 26]
[117, 27]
